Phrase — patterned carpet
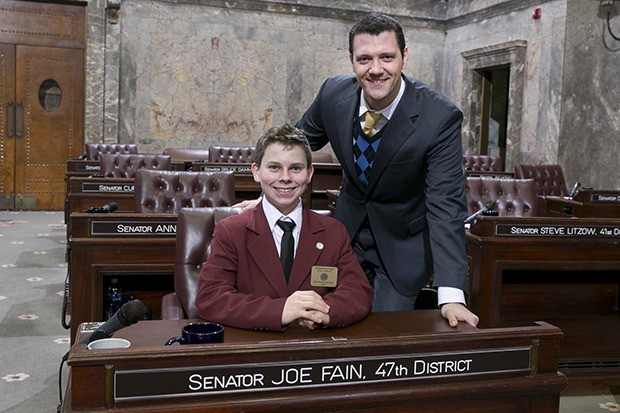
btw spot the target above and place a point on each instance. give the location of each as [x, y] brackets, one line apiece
[32, 339]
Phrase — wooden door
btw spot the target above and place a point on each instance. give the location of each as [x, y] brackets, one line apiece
[42, 97]
[49, 110]
[7, 125]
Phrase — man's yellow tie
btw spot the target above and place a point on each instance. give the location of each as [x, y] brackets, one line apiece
[369, 123]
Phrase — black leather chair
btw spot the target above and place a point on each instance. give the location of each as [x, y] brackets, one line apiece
[509, 197]
[549, 178]
[170, 191]
[194, 234]
[483, 163]
[93, 151]
[231, 154]
[126, 165]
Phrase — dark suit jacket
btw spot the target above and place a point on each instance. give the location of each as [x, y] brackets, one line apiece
[415, 200]
[242, 282]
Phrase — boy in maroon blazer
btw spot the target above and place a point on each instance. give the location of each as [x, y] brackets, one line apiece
[248, 280]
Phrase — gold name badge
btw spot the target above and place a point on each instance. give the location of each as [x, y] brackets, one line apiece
[324, 276]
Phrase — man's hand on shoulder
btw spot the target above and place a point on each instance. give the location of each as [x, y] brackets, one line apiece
[455, 312]
[246, 205]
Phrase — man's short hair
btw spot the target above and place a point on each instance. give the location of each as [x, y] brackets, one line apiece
[286, 135]
[375, 24]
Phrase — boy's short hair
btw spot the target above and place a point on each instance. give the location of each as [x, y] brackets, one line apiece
[286, 135]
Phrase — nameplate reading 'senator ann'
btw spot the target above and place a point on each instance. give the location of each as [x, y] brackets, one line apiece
[132, 228]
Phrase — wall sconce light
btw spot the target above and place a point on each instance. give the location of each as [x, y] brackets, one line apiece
[112, 9]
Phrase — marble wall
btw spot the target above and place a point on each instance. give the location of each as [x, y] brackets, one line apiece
[191, 73]
[589, 145]
[194, 75]
[535, 85]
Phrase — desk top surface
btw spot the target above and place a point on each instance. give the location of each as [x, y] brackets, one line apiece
[421, 326]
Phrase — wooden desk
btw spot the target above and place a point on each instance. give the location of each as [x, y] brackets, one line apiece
[86, 168]
[326, 176]
[395, 362]
[586, 204]
[332, 198]
[135, 248]
[563, 271]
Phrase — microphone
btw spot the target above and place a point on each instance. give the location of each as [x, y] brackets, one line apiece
[575, 189]
[130, 313]
[472, 217]
[107, 208]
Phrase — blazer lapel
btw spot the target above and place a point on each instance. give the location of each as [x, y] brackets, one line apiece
[397, 132]
[312, 240]
[263, 250]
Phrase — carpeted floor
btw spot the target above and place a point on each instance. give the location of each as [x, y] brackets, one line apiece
[32, 339]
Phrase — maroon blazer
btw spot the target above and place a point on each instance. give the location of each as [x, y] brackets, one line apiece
[242, 282]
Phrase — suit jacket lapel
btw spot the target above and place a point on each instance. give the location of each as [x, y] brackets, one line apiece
[397, 131]
[345, 113]
[262, 248]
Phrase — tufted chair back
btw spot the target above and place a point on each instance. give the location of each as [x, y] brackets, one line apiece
[126, 165]
[169, 191]
[194, 234]
[95, 150]
[509, 197]
[549, 178]
[483, 163]
[231, 154]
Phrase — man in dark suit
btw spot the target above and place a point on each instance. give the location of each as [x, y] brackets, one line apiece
[244, 284]
[402, 199]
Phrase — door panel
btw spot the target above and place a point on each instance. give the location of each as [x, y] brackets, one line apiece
[49, 89]
[7, 117]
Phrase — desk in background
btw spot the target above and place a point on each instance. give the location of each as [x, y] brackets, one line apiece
[586, 204]
[326, 176]
[561, 270]
[387, 362]
[135, 248]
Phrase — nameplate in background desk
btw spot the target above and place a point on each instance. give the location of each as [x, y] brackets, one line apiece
[86, 167]
[605, 198]
[557, 230]
[108, 188]
[238, 169]
[205, 380]
[132, 228]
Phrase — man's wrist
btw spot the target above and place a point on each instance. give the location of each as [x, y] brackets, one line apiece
[448, 295]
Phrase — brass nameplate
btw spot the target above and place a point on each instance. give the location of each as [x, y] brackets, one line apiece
[206, 380]
[132, 228]
[553, 230]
